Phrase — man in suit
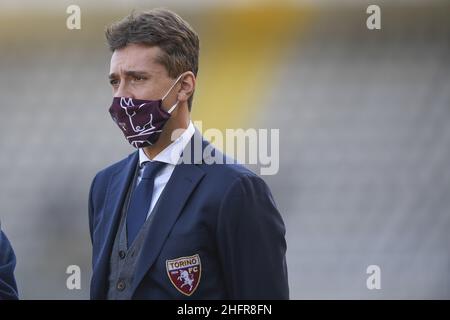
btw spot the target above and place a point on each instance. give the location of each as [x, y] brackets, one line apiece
[8, 288]
[167, 222]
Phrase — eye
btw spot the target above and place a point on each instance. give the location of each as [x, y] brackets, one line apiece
[114, 82]
[139, 78]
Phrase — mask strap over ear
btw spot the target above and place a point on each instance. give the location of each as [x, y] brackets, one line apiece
[173, 85]
[173, 107]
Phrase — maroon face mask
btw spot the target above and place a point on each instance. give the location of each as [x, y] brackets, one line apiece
[141, 121]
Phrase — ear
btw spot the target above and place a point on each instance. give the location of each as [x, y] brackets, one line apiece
[187, 86]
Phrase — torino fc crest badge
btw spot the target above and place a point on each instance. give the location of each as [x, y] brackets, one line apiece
[185, 273]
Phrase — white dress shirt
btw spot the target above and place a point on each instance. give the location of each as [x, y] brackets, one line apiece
[170, 155]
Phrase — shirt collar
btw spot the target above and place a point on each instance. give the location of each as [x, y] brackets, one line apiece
[171, 154]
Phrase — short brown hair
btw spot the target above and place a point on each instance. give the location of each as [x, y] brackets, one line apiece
[164, 29]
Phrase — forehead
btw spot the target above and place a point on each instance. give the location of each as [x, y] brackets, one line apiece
[136, 57]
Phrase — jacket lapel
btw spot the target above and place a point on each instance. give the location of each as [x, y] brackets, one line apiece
[117, 189]
[183, 181]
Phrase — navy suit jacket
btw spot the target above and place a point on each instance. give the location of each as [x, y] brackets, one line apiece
[8, 288]
[223, 213]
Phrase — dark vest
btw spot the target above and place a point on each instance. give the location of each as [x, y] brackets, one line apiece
[123, 260]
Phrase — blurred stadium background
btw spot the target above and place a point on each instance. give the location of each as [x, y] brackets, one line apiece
[364, 126]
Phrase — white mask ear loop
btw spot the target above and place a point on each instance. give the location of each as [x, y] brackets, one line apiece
[173, 85]
[173, 107]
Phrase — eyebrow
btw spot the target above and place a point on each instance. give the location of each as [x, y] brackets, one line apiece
[131, 73]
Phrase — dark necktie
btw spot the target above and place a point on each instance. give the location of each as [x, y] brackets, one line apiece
[141, 199]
